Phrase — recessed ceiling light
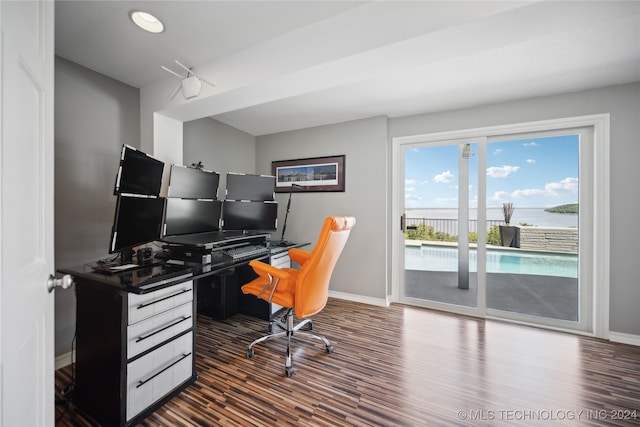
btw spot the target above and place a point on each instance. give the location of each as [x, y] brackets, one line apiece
[146, 21]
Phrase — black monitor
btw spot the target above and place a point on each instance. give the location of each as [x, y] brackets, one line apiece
[138, 220]
[249, 215]
[250, 187]
[191, 183]
[138, 173]
[189, 216]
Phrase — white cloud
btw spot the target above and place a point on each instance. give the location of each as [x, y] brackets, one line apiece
[409, 189]
[497, 152]
[412, 201]
[531, 161]
[443, 177]
[532, 144]
[529, 193]
[566, 186]
[446, 201]
[501, 171]
[553, 189]
[409, 181]
[498, 197]
[473, 202]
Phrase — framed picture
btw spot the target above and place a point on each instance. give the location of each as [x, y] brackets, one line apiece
[309, 175]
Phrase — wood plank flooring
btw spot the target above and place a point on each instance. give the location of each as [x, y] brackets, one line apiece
[400, 366]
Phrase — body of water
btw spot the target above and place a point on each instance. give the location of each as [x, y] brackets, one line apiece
[531, 216]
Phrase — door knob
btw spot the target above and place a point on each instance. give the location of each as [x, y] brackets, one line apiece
[65, 282]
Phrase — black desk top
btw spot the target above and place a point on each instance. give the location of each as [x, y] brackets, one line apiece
[160, 274]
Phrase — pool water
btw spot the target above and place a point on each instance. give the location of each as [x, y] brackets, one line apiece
[439, 258]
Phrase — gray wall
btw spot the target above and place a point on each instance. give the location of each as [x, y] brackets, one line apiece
[220, 148]
[362, 268]
[623, 103]
[94, 116]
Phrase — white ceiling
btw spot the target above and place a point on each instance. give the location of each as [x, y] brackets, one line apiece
[283, 65]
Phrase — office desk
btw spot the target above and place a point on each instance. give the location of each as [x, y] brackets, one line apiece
[135, 333]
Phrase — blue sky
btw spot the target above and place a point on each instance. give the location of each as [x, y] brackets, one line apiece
[530, 173]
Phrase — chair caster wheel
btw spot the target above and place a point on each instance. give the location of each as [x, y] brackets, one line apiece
[310, 326]
[329, 349]
[250, 353]
[289, 371]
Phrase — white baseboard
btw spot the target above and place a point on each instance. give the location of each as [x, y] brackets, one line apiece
[624, 338]
[359, 298]
[64, 360]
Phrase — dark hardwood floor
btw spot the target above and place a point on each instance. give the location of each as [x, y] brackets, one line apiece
[400, 366]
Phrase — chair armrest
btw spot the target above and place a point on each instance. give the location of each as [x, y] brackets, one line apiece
[269, 275]
[263, 268]
[298, 255]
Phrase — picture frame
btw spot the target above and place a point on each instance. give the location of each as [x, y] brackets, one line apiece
[313, 174]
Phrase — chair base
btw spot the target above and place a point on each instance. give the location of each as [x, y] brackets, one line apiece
[289, 330]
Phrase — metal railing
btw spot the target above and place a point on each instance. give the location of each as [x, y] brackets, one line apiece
[449, 226]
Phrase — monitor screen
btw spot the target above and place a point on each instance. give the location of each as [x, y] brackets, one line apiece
[191, 183]
[250, 187]
[188, 216]
[138, 220]
[250, 215]
[138, 173]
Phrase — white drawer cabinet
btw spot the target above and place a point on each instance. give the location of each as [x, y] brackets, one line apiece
[134, 351]
[157, 373]
[143, 306]
[280, 260]
[150, 332]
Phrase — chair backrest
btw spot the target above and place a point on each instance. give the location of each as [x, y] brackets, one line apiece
[312, 284]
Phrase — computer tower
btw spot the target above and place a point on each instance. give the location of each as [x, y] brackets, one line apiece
[218, 295]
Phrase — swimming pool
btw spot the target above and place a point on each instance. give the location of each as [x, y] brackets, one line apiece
[441, 258]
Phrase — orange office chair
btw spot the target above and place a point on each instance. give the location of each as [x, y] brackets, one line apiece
[302, 292]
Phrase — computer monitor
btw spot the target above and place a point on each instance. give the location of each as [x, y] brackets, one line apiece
[189, 216]
[138, 173]
[191, 183]
[138, 220]
[250, 187]
[249, 215]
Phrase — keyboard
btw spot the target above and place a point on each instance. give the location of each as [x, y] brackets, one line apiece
[244, 252]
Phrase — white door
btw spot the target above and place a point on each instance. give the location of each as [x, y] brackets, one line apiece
[26, 213]
[554, 273]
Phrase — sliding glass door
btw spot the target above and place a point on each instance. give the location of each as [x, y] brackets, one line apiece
[440, 218]
[532, 258]
[499, 225]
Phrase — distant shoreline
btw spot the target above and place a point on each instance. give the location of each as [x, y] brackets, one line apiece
[530, 216]
[491, 208]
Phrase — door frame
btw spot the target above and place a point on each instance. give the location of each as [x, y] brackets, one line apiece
[600, 207]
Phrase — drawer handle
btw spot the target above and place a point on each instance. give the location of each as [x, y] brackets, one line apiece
[143, 382]
[162, 299]
[164, 328]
